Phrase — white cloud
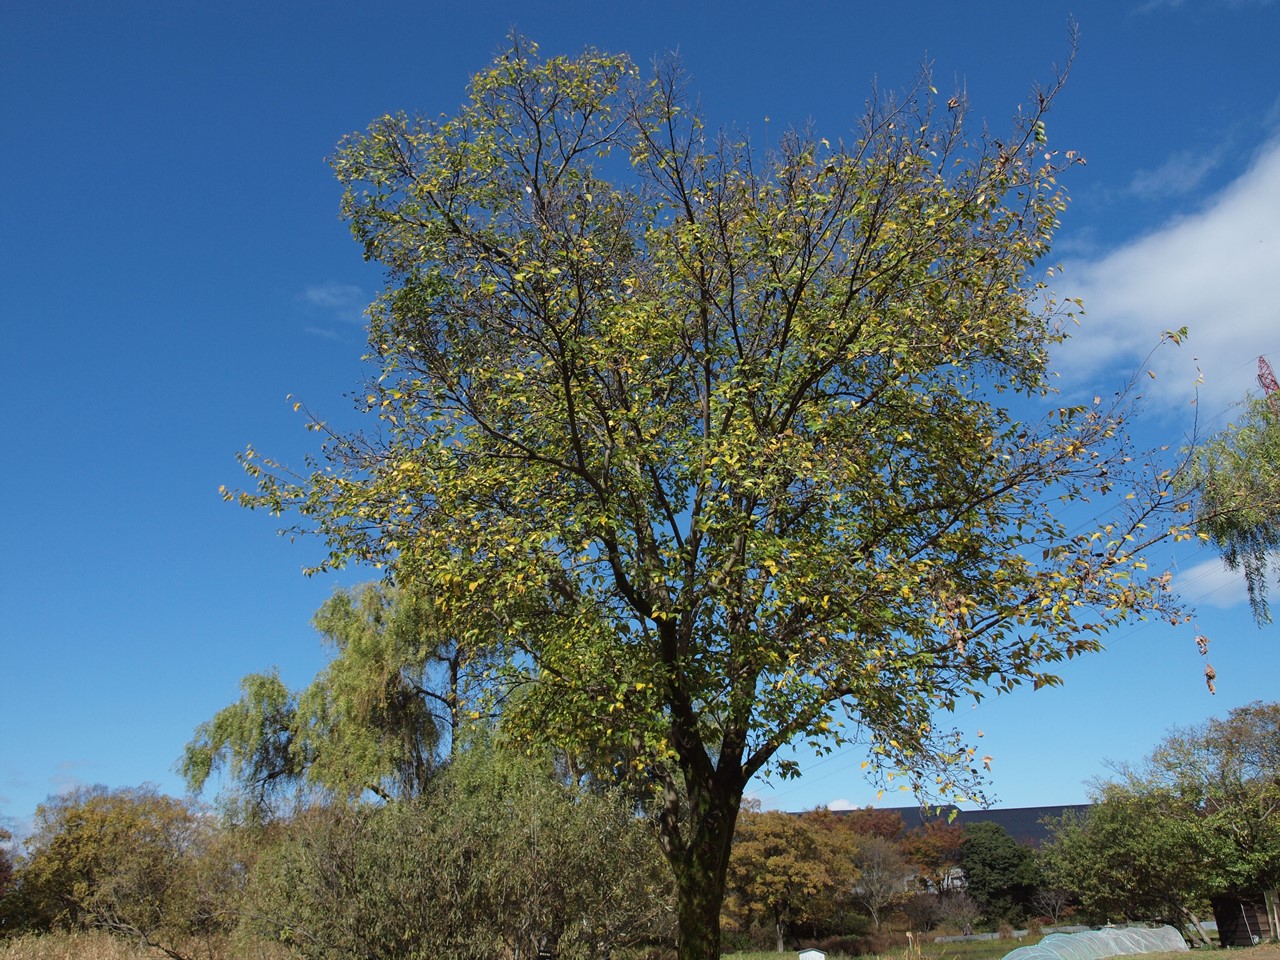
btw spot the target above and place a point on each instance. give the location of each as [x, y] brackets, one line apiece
[842, 804]
[1213, 271]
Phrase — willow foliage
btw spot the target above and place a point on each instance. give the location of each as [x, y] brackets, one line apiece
[377, 719]
[1238, 476]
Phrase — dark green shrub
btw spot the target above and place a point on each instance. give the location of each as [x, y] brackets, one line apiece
[498, 858]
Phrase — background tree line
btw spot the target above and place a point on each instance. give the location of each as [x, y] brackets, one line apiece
[503, 854]
[500, 856]
[846, 879]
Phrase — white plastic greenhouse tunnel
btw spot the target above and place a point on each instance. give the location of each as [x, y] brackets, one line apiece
[1097, 944]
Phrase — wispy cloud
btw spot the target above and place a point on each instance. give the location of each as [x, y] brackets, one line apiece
[334, 296]
[334, 303]
[1178, 175]
[65, 777]
[1211, 270]
[1152, 6]
[19, 828]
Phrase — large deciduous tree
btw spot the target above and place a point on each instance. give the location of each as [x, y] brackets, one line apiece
[722, 442]
[784, 871]
[1130, 857]
[1226, 776]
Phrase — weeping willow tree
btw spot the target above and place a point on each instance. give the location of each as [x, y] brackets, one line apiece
[395, 696]
[1237, 475]
[722, 443]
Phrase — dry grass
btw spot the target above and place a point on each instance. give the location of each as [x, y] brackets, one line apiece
[70, 946]
[102, 946]
[916, 950]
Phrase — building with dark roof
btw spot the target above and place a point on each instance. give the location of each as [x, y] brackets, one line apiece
[1024, 824]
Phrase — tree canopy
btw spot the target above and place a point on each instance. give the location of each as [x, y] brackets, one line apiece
[1129, 857]
[1226, 776]
[934, 849]
[999, 872]
[720, 444]
[884, 875]
[785, 870]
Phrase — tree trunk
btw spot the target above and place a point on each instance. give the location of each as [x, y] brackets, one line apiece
[1200, 931]
[699, 897]
[700, 860]
[781, 929]
[1271, 898]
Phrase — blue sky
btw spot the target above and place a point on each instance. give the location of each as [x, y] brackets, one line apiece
[172, 266]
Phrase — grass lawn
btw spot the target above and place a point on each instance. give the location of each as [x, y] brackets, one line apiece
[984, 949]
